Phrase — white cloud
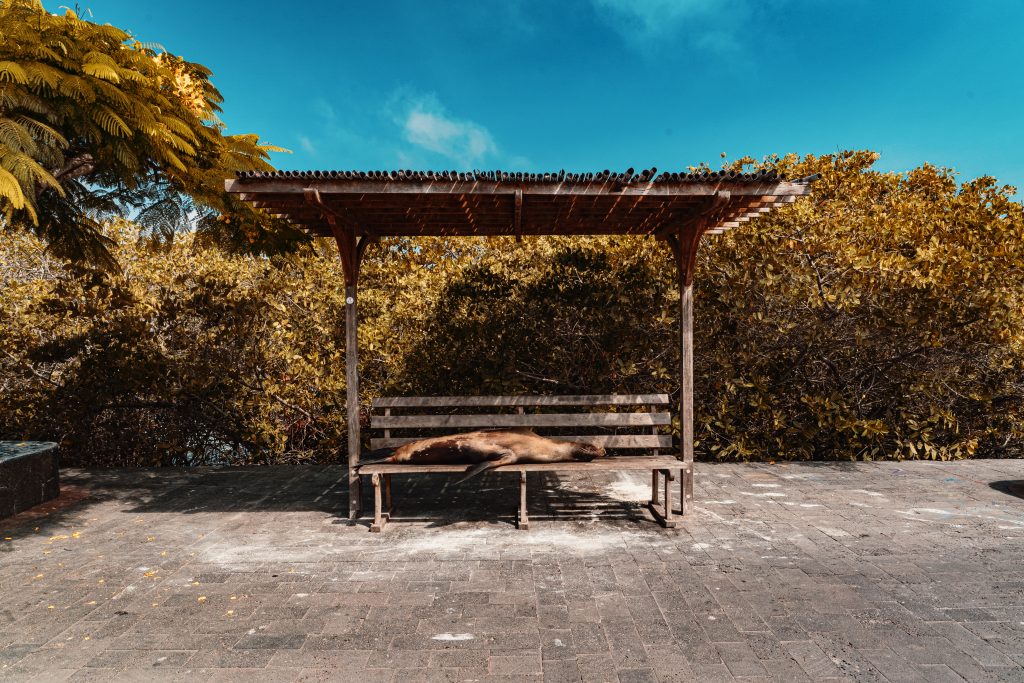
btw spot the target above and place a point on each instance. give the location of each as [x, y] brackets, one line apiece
[307, 145]
[426, 124]
[706, 24]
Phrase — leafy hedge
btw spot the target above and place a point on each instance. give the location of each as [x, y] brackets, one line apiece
[881, 318]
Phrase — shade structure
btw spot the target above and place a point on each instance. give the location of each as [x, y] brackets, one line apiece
[411, 203]
[358, 207]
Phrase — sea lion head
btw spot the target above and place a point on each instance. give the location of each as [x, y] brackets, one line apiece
[586, 451]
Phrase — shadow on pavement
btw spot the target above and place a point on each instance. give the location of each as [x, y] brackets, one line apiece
[431, 498]
[1012, 487]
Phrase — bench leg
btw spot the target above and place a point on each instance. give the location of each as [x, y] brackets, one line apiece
[379, 520]
[523, 520]
[388, 505]
[668, 499]
[662, 510]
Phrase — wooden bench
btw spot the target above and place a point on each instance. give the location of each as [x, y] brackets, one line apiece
[616, 421]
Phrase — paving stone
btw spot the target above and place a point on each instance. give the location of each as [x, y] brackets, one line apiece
[785, 670]
[863, 572]
[271, 641]
[134, 659]
[712, 673]
[273, 675]
[441, 675]
[812, 660]
[637, 676]
[589, 638]
[514, 665]
[740, 659]
[231, 659]
[596, 668]
[339, 660]
[561, 671]
[331, 675]
[895, 667]
[968, 642]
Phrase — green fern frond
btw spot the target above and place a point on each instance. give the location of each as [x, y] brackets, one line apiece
[46, 133]
[111, 122]
[94, 57]
[177, 126]
[112, 95]
[179, 144]
[41, 75]
[17, 137]
[76, 88]
[12, 98]
[43, 52]
[103, 71]
[133, 75]
[28, 172]
[173, 160]
[126, 157]
[10, 188]
[12, 73]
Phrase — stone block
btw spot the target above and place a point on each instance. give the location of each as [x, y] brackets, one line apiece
[28, 475]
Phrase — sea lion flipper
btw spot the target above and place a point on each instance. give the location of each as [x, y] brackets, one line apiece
[508, 459]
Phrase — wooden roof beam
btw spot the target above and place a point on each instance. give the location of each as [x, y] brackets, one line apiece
[715, 203]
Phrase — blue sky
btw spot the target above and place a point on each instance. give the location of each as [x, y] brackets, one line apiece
[592, 84]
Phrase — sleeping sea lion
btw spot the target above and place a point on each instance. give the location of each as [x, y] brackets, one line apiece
[488, 449]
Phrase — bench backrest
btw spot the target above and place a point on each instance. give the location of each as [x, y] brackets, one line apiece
[616, 421]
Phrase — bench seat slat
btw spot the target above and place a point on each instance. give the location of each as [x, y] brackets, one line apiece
[611, 464]
[500, 401]
[645, 441]
[521, 420]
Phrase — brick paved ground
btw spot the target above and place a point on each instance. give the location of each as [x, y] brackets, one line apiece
[867, 572]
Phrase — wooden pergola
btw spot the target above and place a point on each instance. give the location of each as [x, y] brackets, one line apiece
[357, 208]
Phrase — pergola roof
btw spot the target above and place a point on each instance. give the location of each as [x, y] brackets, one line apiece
[411, 203]
[357, 207]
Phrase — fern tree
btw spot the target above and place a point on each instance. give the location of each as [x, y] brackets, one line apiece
[93, 122]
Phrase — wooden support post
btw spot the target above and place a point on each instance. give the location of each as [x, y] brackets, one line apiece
[350, 249]
[355, 503]
[523, 520]
[686, 394]
[686, 390]
[684, 246]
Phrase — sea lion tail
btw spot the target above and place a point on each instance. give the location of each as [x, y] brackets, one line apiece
[377, 456]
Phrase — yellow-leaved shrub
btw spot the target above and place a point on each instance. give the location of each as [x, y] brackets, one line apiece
[882, 317]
